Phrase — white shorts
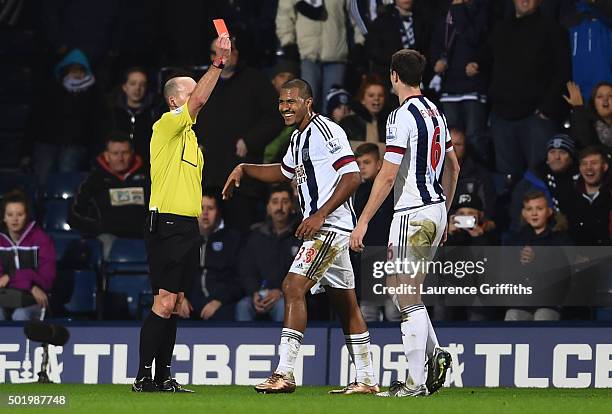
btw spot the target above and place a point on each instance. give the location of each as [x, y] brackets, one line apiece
[422, 228]
[325, 259]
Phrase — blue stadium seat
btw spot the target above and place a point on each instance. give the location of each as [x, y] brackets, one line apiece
[63, 185]
[83, 298]
[134, 287]
[61, 240]
[56, 215]
[127, 256]
[10, 180]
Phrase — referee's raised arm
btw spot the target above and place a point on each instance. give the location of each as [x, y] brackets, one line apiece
[207, 83]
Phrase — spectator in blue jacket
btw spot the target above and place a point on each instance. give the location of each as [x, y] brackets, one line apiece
[590, 34]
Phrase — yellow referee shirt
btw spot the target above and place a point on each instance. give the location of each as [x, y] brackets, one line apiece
[176, 165]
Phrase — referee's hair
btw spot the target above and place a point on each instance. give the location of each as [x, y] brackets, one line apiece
[301, 85]
[214, 193]
[409, 66]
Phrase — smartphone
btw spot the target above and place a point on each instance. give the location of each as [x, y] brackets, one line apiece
[465, 222]
[220, 27]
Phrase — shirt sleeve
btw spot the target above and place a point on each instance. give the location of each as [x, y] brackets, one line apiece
[288, 164]
[340, 153]
[173, 122]
[397, 138]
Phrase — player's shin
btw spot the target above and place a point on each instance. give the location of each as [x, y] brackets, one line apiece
[290, 343]
[432, 339]
[414, 329]
[358, 346]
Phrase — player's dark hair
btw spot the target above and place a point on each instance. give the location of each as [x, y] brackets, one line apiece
[214, 193]
[409, 66]
[302, 86]
[118, 136]
[280, 188]
[15, 196]
[534, 195]
[133, 69]
[593, 150]
[367, 148]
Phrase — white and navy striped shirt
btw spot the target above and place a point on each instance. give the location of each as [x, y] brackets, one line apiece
[317, 157]
[417, 140]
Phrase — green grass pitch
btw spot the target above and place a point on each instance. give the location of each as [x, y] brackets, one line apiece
[114, 399]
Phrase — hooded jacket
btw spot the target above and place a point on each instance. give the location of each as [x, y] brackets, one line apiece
[107, 202]
[29, 262]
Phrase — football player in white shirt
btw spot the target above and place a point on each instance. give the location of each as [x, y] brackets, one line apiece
[418, 149]
[320, 160]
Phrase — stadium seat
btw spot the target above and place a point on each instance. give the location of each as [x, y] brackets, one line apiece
[133, 287]
[83, 299]
[127, 256]
[74, 252]
[63, 185]
[56, 215]
[10, 180]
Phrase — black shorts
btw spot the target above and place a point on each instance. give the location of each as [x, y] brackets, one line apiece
[173, 252]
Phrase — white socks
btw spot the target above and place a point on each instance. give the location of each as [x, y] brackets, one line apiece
[288, 349]
[432, 339]
[415, 331]
[358, 346]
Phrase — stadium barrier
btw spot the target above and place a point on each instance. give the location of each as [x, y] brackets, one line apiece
[486, 355]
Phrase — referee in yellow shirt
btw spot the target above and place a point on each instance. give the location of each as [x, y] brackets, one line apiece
[172, 237]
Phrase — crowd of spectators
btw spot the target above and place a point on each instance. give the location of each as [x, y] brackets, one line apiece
[525, 86]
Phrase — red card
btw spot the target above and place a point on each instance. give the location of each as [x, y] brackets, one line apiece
[220, 26]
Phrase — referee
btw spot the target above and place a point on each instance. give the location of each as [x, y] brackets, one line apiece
[172, 236]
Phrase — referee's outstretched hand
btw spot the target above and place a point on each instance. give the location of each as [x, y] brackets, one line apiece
[232, 181]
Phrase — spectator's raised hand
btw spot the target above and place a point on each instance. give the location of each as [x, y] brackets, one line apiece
[40, 296]
[575, 96]
[471, 69]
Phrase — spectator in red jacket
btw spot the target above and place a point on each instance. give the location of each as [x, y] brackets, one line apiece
[27, 257]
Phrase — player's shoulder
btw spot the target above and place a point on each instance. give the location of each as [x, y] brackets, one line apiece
[327, 128]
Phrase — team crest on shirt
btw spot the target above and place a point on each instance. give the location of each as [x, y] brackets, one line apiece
[333, 145]
[391, 133]
[217, 246]
[305, 154]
